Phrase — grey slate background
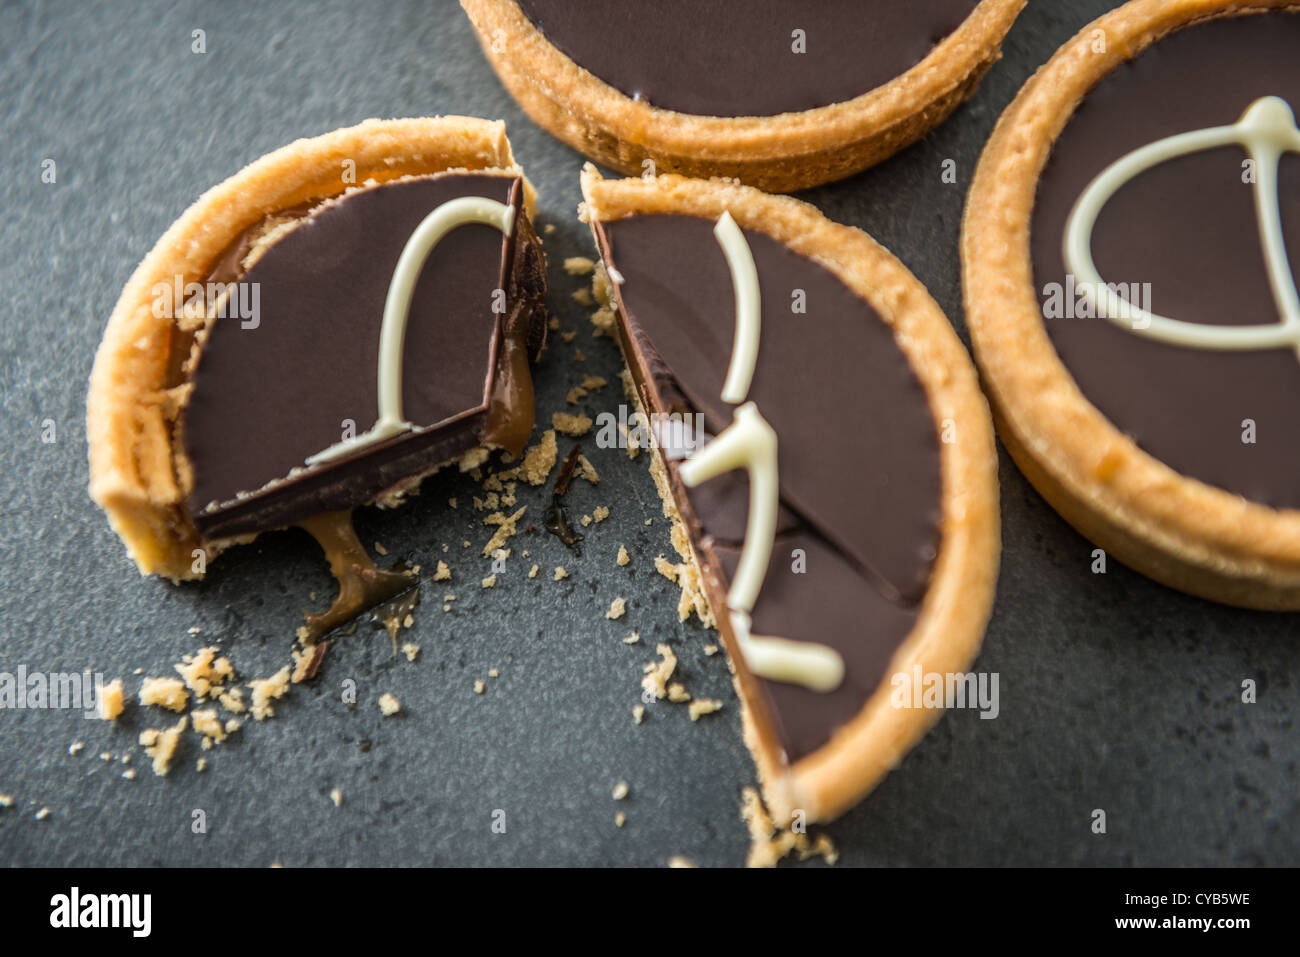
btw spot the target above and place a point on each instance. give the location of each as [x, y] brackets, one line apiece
[1115, 693]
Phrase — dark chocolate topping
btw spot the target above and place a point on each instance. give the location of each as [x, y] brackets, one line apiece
[267, 397]
[1188, 228]
[858, 450]
[737, 57]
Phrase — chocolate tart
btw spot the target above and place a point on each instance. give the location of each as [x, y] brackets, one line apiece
[881, 487]
[778, 95]
[251, 340]
[1134, 319]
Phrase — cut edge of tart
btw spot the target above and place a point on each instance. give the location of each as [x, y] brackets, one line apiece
[779, 153]
[958, 599]
[1178, 530]
[137, 463]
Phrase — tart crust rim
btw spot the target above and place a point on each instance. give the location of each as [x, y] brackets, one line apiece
[1174, 528]
[130, 414]
[783, 152]
[959, 597]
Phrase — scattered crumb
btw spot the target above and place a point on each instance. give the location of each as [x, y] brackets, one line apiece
[166, 693]
[204, 672]
[209, 725]
[506, 528]
[42, 814]
[678, 861]
[443, 573]
[538, 460]
[633, 638]
[201, 765]
[623, 557]
[582, 296]
[129, 774]
[578, 356]
[586, 520]
[494, 673]
[451, 502]
[574, 425]
[111, 701]
[587, 470]
[411, 650]
[638, 713]
[666, 568]
[620, 790]
[266, 690]
[620, 819]
[76, 747]
[161, 745]
[233, 700]
[677, 693]
[380, 549]
[617, 608]
[389, 704]
[702, 706]
[489, 582]
[768, 843]
[658, 673]
[479, 686]
[568, 335]
[6, 800]
[599, 513]
[560, 572]
[532, 572]
[710, 650]
[336, 795]
[579, 266]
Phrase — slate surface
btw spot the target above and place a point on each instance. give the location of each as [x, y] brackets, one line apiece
[1115, 693]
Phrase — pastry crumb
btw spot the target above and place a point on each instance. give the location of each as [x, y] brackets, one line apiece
[532, 572]
[112, 702]
[479, 686]
[489, 582]
[389, 704]
[579, 266]
[161, 745]
[204, 672]
[166, 693]
[702, 706]
[443, 572]
[657, 673]
[620, 791]
[617, 608]
[638, 713]
[623, 557]
[266, 690]
[599, 513]
[677, 693]
[571, 425]
[678, 861]
[561, 572]
[336, 795]
[411, 650]
[620, 819]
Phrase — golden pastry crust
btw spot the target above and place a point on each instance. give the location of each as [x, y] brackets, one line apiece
[778, 153]
[959, 599]
[130, 412]
[1179, 531]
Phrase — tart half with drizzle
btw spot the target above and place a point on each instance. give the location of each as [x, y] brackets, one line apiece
[1130, 251]
[321, 331]
[826, 455]
[778, 94]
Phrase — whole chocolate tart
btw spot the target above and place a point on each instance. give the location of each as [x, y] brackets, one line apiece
[778, 94]
[321, 331]
[1130, 253]
[822, 446]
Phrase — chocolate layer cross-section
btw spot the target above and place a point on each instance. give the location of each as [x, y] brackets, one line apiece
[271, 391]
[859, 470]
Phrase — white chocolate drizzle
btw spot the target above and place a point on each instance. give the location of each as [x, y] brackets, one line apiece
[397, 308]
[1266, 130]
[751, 443]
[744, 282]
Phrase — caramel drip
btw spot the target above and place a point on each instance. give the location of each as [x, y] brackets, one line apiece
[362, 584]
[510, 415]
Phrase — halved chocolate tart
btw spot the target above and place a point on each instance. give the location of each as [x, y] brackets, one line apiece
[1130, 252]
[321, 331]
[777, 94]
[826, 455]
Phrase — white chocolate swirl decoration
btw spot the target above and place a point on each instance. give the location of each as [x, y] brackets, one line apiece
[397, 308]
[1266, 130]
[751, 443]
